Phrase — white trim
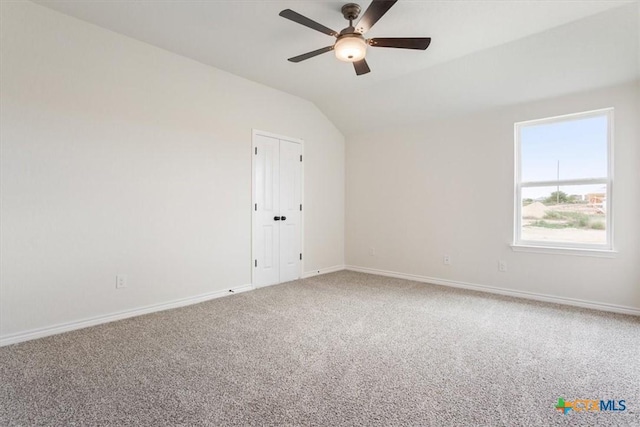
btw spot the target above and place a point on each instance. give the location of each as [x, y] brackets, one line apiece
[565, 182]
[300, 141]
[607, 181]
[563, 117]
[255, 132]
[610, 173]
[98, 320]
[313, 273]
[535, 247]
[502, 291]
[303, 209]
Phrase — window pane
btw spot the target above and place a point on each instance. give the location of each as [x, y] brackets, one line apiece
[574, 148]
[575, 214]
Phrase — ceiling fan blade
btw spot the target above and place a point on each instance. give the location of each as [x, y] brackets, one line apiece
[311, 54]
[361, 67]
[374, 12]
[303, 20]
[401, 42]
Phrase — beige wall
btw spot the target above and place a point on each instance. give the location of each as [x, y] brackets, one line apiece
[446, 187]
[118, 157]
[121, 158]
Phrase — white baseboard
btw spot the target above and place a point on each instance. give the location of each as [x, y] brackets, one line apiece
[502, 291]
[98, 320]
[312, 273]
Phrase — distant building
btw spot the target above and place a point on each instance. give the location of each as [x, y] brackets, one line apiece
[596, 199]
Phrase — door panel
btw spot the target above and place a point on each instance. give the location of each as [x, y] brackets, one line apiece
[269, 246]
[290, 199]
[267, 198]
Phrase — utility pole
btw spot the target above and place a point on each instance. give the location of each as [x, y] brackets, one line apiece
[558, 186]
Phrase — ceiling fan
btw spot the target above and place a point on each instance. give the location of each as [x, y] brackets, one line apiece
[350, 45]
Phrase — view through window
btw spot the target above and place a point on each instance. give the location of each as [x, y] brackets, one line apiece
[563, 181]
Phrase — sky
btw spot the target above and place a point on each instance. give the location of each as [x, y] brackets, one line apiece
[579, 145]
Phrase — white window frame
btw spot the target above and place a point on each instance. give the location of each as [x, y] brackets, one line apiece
[519, 244]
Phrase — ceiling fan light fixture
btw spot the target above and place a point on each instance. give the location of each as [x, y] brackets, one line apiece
[350, 45]
[350, 48]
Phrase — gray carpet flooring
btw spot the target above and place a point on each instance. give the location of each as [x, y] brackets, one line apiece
[339, 349]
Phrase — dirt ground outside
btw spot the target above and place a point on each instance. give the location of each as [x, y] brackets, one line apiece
[536, 214]
[566, 235]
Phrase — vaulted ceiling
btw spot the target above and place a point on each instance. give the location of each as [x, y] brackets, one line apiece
[483, 54]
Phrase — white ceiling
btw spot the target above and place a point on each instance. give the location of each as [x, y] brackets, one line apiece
[483, 53]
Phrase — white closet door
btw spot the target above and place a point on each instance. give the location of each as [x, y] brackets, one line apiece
[277, 216]
[266, 231]
[290, 195]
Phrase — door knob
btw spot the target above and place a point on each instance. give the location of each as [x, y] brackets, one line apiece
[284, 218]
[276, 218]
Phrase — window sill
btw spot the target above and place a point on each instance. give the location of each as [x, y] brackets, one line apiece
[600, 253]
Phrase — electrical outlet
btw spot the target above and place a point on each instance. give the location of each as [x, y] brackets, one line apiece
[372, 251]
[446, 260]
[121, 281]
[502, 266]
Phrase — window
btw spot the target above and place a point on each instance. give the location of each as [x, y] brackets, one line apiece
[564, 182]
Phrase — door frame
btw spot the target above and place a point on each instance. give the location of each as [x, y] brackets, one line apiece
[255, 132]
